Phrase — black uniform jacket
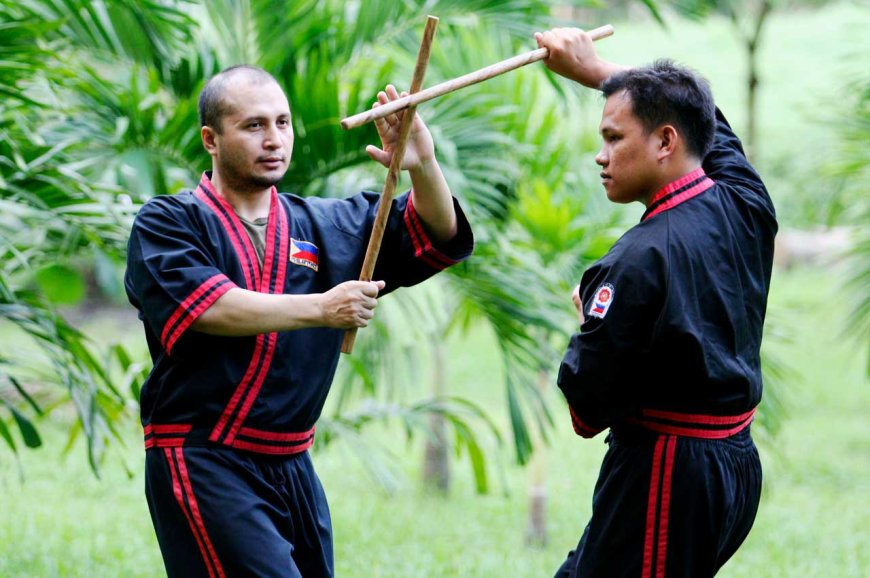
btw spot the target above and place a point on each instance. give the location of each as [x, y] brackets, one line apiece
[261, 393]
[674, 311]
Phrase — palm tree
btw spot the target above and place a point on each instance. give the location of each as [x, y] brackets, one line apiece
[852, 167]
[54, 211]
[122, 111]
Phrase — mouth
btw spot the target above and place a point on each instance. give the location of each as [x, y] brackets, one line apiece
[605, 178]
[271, 162]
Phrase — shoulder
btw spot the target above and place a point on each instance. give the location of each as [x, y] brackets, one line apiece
[644, 242]
[182, 207]
[180, 201]
[349, 215]
[639, 256]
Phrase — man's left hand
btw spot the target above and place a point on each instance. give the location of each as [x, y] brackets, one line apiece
[420, 148]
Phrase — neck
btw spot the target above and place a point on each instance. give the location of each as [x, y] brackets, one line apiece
[248, 202]
[670, 172]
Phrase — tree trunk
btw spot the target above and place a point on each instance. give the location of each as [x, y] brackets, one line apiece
[753, 41]
[436, 463]
[536, 528]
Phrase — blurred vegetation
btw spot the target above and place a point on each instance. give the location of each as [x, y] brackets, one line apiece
[99, 114]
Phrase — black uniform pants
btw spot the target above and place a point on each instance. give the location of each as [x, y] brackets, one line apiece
[219, 513]
[668, 507]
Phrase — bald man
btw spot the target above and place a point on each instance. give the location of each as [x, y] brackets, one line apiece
[245, 294]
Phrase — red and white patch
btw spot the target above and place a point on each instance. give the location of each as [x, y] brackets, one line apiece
[602, 300]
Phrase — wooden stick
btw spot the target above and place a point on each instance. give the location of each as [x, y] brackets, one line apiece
[386, 200]
[460, 82]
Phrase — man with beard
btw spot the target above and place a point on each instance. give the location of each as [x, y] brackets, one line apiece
[245, 294]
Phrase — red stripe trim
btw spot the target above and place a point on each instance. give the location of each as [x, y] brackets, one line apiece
[269, 251]
[194, 510]
[283, 240]
[690, 432]
[164, 442]
[258, 368]
[274, 450]
[182, 489]
[196, 312]
[252, 393]
[272, 338]
[426, 258]
[681, 198]
[422, 243]
[172, 330]
[409, 208]
[652, 509]
[275, 436]
[678, 184]
[698, 418]
[234, 228]
[240, 390]
[665, 507]
[167, 428]
[581, 428]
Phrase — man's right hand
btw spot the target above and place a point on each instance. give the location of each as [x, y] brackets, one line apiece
[578, 304]
[573, 56]
[350, 304]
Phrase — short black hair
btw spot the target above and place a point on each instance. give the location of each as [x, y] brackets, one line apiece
[212, 105]
[667, 93]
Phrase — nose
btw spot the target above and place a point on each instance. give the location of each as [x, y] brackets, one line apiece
[601, 158]
[271, 139]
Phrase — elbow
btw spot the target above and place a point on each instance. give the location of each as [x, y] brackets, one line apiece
[583, 428]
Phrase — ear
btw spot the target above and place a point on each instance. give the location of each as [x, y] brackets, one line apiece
[209, 138]
[668, 141]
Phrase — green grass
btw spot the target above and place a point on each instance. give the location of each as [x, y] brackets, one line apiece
[813, 520]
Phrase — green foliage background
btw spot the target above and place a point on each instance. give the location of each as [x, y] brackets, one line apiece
[98, 114]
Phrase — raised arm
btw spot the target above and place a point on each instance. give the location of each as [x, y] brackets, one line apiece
[430, 194]
[572, 55]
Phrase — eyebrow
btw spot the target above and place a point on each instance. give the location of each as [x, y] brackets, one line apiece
[261, 117]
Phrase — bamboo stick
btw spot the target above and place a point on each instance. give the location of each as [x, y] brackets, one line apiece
[460, 82]
[386, 200]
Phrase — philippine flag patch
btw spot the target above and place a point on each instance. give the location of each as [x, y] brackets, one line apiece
[602, 300]
[303, 253]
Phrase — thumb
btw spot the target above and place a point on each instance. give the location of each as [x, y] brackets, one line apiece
[378, 155]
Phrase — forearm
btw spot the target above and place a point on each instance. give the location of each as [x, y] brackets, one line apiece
[572, 55]
[433, 201]
[240, 312]
[595, 76]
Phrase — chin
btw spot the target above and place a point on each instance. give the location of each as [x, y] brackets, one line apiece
[267, 180]
[613, 197]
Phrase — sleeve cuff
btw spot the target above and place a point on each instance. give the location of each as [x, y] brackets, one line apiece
[446, 254]
[583, 429]
[191, 308]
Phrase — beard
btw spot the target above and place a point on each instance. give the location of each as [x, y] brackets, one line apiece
[247, 181]
[263, 181]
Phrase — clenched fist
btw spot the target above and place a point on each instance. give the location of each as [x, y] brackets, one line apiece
[350, 304]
